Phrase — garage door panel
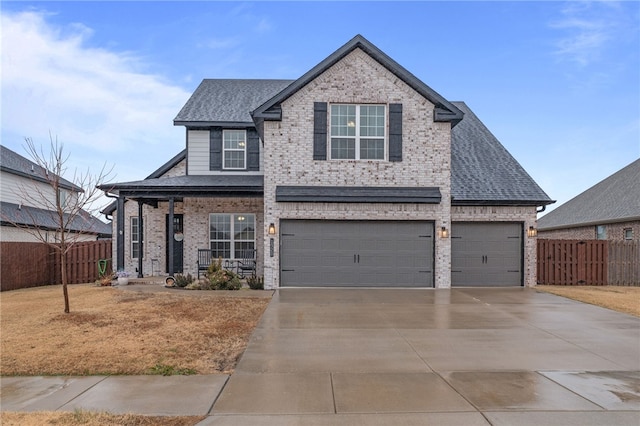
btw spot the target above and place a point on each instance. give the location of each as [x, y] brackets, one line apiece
[356, 253]
[486, 254]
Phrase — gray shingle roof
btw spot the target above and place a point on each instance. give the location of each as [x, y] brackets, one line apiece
[615, 199]
[26, 216]
[12, 162]
[484, 172]
[189, 185]
[227, 100]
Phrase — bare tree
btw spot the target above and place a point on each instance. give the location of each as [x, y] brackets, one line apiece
[66, 204]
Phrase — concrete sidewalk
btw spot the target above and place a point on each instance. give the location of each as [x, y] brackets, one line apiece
[380, 356]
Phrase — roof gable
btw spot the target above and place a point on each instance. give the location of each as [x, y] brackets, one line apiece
[444, 110]
[614, 199]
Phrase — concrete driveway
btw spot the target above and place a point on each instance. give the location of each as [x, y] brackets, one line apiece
[460, 356]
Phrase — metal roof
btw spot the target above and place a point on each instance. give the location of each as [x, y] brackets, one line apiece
[614, 199]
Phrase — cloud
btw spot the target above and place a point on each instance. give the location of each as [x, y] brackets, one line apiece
[101, 102]
[588, 29]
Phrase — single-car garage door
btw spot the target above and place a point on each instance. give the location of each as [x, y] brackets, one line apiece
[486, 254]
[325, 253]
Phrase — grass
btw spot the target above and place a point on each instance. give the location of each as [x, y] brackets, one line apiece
[617, 298]
[112, 331]
[86, 418]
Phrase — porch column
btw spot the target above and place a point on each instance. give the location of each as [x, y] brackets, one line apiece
[120, 234]
[140, 241]
[170, 237]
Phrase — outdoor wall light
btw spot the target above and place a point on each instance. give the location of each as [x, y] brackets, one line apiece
[272, 229]
[532, 232]
[444, 232]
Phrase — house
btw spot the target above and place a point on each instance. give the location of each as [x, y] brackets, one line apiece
[27, 200]
[609, 210]
[356, 174]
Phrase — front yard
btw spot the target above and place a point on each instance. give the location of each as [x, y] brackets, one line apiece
[114, 331]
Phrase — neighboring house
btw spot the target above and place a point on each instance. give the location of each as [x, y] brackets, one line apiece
[609, 210]
[355, 174]
[27, 200]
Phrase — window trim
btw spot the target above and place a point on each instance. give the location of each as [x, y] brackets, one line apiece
[358, 137]
[232, 240]
[243, 150]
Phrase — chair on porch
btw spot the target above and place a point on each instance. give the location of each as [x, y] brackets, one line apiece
[247, 264]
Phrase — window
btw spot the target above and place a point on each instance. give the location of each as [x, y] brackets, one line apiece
[234, 149]
[601, 232]
[231, 234]
[135, 244]
[357, 132]
[628, 234]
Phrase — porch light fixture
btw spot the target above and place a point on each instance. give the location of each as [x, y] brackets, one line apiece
[272, 229]
[532, 232]
[444, 232]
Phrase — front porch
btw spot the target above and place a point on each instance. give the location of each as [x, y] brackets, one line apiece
[160, 224]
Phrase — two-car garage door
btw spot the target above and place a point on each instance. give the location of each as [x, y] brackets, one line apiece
[327, 253]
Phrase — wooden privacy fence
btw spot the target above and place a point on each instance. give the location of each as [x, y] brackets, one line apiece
[624, 263]
[36, 264]
[589, 262]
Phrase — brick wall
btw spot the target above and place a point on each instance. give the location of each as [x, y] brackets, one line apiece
[615, 232]
[288, 148]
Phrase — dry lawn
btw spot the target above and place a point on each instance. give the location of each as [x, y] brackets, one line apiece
[115, 331]
[621, 299]
[92, 419]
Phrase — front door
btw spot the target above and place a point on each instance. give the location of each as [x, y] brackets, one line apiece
[177, 234]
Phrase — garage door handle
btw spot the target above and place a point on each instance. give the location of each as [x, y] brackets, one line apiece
[354, 258]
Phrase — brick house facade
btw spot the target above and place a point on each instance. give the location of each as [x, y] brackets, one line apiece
[358, 175]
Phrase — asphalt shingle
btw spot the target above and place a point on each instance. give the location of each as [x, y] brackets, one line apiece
[615, 199]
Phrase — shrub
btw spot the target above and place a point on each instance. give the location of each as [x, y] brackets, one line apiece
[217, 278]
[183, 281]
[255, 282]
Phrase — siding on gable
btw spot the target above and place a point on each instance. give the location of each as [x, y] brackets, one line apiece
[16, 189]
[198, 152]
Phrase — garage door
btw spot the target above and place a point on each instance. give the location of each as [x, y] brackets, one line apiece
[486, 254]
[321, 253]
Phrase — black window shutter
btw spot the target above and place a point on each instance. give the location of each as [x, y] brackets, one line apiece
[319, 130]
[395, 132]
[253, 150]
[215, 149]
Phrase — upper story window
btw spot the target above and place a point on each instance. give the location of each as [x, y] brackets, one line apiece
[234, 149]
[628, 234]
[357, 132]
[601, 232]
